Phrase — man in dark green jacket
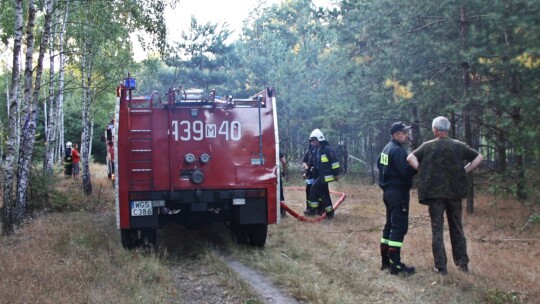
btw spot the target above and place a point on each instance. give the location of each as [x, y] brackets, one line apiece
[442, 185]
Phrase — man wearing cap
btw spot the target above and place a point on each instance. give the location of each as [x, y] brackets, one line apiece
[395, 178]
[442, 184]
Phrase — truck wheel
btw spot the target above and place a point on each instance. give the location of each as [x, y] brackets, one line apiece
[241, 233]
[149, 238]
[129, 238]
[257, 235]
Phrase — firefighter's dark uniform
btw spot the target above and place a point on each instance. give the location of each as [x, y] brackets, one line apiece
[308, 159]
[395, 178]
[326, 167]
[68, 162]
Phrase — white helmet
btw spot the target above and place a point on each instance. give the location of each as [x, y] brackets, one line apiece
[317, 134]
[68, 144]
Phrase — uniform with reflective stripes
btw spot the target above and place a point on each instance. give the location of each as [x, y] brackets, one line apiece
[326, 167]
[395, 178]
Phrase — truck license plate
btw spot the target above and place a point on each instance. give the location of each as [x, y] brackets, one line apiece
[239, 201]
[141, 208]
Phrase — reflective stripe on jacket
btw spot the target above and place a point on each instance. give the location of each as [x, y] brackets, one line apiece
[329, 166]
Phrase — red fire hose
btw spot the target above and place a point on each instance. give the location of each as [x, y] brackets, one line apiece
[312, 219]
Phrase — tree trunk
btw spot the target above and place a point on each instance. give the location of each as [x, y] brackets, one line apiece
[466, 108]
[60, 96]
[415, 142]
[7, 208]
[28, 134]
[24, 156]
[50, 120]
[85, 136]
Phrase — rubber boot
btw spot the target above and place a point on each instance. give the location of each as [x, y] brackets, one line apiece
[330, 215]
[396, 266]
[385, 262]
[310, 211]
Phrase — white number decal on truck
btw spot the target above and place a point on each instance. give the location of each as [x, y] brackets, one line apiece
[197, 130]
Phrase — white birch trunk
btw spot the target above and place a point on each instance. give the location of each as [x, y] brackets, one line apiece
[60, 96]
[22, 175]
[13, 104]
[85, 136]
[28, 134]
[50, 115]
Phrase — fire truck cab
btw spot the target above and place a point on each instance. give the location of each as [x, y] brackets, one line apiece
[195, 159]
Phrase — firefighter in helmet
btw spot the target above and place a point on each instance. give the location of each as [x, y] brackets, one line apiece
[307, 165]
[326, 169]
[68, 160]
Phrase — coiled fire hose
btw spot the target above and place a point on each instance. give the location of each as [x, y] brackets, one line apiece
[313, 219]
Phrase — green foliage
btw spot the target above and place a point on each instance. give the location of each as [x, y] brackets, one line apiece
[202, 56]
[44, 193]
[496, 296]
[350, 70]
[534, 219]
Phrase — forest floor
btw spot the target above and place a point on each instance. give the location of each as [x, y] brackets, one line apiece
[76, 257]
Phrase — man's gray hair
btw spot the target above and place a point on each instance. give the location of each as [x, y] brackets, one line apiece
[441, 123]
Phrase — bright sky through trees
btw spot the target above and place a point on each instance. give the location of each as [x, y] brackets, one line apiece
[216, 11]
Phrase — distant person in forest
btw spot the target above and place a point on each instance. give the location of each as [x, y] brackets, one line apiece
[307, 165]
[68, 160]
[442, 184]
[326, 169]
[76, 160]
[283, 173]
[395, 178]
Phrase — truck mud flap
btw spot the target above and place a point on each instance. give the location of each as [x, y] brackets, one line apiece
[252, 212]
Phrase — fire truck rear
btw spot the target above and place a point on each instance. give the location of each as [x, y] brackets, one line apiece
[195, 159]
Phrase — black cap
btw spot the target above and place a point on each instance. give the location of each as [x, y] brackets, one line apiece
[398, 126]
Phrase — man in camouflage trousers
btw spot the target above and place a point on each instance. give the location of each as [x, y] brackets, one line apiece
[442, 184]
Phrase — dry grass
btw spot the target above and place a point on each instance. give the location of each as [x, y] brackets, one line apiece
[338, 261]
[76, 257]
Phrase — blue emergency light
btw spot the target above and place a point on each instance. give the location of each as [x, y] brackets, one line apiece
[130, 84]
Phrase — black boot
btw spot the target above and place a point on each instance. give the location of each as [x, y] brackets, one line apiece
[330, 215]
[310, 211]
[385, 262]
[396, 267]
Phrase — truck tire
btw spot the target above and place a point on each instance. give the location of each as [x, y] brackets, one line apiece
[257, 235]
[149, 238]
[241, 233]
[129, 238]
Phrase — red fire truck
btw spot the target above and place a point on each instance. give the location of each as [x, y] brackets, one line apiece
[194, 159]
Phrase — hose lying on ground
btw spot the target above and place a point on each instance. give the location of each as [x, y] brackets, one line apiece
[312, 219]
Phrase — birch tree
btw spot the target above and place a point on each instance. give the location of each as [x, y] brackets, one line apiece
[8, 206]
[54, 121]
[30, 123]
